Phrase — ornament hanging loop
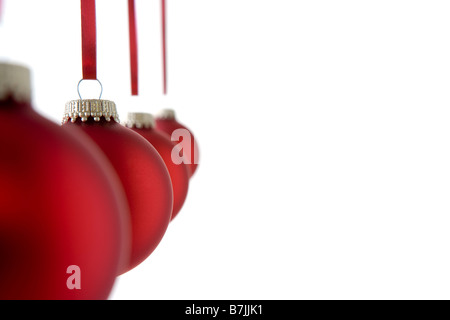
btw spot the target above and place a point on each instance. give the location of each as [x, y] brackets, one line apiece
[101, 88]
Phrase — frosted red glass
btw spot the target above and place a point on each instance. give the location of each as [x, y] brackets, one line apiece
[179, 173]
[145, 178]
[61, 204]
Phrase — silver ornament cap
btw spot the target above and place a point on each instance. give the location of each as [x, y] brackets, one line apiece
[90, 108]
[166, 114]
[140, 120]
[15, 82]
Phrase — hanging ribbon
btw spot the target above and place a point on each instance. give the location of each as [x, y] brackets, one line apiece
[88, 39]
[164, 51]
[133, 47]
[1, 10]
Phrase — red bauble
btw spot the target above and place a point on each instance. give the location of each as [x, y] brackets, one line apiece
[167, 122]
[64, 220]
[140, 168]
[143, 124]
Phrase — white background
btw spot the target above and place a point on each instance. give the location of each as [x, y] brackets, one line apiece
[324, 135]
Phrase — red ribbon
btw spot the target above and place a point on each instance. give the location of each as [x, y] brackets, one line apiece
[89, 39]
[164, 51]
[133, 47]
[0, 10]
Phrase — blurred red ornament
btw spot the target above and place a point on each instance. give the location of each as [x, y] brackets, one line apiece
[64, 220]
[141, 169]
[166, 121]
[143, 123]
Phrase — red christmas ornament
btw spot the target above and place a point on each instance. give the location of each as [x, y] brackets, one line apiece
[167, 122]
[144, 123]
[64, 220]
[141, 170]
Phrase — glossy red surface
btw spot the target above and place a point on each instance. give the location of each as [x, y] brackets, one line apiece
[179, 173]
[61, 204]
[145, 178]
[169, 126]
